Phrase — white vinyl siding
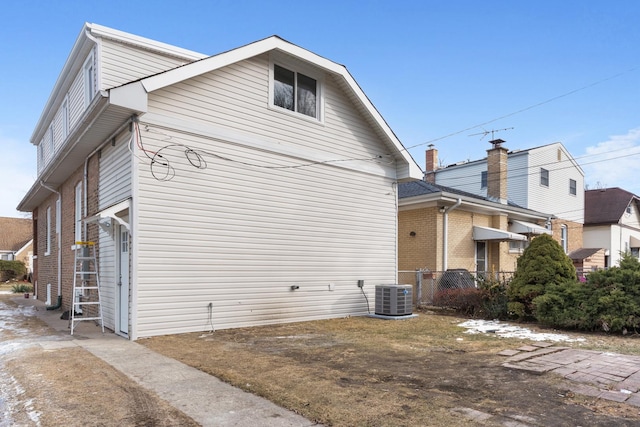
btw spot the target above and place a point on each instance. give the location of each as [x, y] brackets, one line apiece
[107, 270]
[124, 63]
[115, 173]
[115, 186]
[555, 199]
[240, 236]
[467, 177]
[518, 178]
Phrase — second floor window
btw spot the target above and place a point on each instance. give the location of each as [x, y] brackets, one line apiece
[483, 179]
[89, 81]
[564, 238]
[573, 187]
[295, 91]
[544, 177]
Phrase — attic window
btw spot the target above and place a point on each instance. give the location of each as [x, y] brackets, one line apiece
[295, 91]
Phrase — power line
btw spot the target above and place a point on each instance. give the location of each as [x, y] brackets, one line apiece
[522, 110]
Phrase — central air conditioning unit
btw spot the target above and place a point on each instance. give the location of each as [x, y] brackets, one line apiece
[394, 300]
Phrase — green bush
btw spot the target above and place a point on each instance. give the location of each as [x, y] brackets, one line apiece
[12, 269]
[542, 265]
[21, 288]
[609, 301]
[494, 297]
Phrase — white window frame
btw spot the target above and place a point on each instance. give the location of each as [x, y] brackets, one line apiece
[484, 179]
[47, 246]
[544, 176]
[564, 237]
[573, 187]
[485, 256]
[65, 118]
[88, 71]
[297, 69]
[78, 213]
[50, 144]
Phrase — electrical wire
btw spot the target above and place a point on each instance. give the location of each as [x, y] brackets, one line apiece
[162, 170]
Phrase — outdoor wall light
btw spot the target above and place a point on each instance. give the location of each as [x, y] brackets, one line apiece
[412, 234]
[294, 287]
[442, 209]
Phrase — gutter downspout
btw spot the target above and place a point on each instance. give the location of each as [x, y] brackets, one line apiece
[445, 232]
[58, 207]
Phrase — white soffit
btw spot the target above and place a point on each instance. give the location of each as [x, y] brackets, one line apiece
[486, 233]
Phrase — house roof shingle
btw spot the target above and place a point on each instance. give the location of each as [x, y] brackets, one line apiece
[15, 233]
[606, 206]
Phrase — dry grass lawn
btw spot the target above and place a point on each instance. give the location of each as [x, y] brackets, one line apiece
[423, 371]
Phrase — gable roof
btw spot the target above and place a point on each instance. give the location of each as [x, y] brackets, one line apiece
[15, 233]
[607, 205]
[134, 94]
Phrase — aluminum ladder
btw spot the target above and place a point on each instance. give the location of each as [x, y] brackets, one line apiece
[86, 286]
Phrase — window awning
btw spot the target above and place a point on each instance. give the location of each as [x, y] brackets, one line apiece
[524, 227]
[634, 242]
[486, 233]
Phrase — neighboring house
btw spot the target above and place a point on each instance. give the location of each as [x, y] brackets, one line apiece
[16, 240]
[543, 179]
[612, 222]
[252, 187]
[588, 259]
[442, 228]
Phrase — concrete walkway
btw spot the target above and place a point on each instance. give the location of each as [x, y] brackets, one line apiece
[596, 374]
[201, 396]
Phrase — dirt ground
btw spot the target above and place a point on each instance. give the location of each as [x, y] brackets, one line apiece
[68, 386]
[369, 372]
[343, 372]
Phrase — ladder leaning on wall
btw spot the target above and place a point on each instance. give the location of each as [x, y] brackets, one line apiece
[86, 286]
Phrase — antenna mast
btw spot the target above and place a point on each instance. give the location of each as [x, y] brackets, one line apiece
[487, 132]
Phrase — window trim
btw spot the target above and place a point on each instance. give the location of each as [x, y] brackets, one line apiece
[484, 179]
[564, 237]
[544, 176]
[297, 69]
[65, 118]
[47, 243]
[88, 71]
[573, 189]
[78, 213]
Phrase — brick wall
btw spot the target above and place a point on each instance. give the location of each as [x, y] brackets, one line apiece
[47, 266]
[574, 233]
[424, 248]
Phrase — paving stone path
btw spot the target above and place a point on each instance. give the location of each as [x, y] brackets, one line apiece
[596, 374]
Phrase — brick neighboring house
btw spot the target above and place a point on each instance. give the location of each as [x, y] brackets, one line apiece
[16, 240]
[441, 228]
[612, 222]
[544, 179]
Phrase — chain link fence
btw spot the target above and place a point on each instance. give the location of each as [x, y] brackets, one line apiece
[429, 286]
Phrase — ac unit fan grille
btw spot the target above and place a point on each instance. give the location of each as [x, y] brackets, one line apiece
[394, 300]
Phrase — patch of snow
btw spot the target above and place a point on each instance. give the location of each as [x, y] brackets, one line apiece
[505, 330]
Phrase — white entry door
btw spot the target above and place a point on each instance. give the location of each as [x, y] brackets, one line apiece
[123, 281]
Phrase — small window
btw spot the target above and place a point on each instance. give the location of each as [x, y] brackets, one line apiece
[65, 119]
[78, 229]
[518, 246]
[483, 179]
[573, 187]
[564, 238]
[47, 243]
[544, 177]
[629, 209]
[89, 81]
[50, 141]
[295, 91]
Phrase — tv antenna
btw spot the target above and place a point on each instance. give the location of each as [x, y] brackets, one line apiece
[487, 132]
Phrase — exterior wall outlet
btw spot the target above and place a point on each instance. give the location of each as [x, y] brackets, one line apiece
[332, 286]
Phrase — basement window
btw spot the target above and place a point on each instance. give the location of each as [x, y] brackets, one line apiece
[295, 91]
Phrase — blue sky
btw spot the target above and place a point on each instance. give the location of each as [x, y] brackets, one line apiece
[557, 70]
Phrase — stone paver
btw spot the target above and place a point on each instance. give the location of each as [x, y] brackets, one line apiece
[602, 375]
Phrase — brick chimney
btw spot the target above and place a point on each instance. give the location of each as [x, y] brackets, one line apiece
[431, 165]
[497, 172]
